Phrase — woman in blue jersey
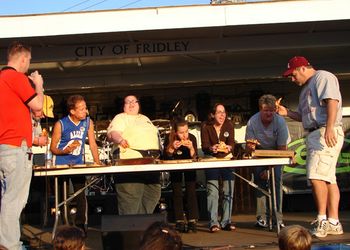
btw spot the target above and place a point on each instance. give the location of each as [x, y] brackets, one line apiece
[68, 141]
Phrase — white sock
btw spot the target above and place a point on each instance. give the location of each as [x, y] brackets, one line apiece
[321, 217]
[333, 221]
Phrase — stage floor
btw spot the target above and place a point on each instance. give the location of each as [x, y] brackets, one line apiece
[246, 236]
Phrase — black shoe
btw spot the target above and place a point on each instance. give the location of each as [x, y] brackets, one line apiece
[181, 227]
[192, 226]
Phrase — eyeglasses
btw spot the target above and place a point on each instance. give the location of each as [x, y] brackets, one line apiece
[220, 112]
[131, 102]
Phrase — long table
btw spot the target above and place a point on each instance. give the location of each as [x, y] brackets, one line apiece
[65, 170]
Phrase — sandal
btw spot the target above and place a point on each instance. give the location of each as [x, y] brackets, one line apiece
[229, 227]
[214, 228]
[181, 227]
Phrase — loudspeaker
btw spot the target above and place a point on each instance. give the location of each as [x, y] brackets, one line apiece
[121, 240]
[100, 205]
[125, 231]
[135, 222]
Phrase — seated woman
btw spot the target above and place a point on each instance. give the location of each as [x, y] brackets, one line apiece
[180, 144]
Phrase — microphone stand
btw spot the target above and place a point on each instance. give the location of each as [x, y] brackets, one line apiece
[47, 181]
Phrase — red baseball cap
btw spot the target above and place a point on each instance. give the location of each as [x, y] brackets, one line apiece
[294, 63]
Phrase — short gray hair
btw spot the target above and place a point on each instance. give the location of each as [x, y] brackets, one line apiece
[268, 100]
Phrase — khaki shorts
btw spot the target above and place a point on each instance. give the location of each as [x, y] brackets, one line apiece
[322, 160]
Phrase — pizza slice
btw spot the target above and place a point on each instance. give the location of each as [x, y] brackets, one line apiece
[222, 147]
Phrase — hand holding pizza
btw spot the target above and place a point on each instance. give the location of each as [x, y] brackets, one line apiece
[71, 147]
[251, 145]
[187, 143]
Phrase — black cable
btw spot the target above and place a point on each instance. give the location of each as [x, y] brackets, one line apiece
[85, 1]
[94, 5]
[107, 0]
[80, 3]
[130, 4]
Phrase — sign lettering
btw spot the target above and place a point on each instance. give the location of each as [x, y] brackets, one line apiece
[132, 49]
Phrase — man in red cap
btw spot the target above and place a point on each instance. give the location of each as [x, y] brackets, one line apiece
[320, 112]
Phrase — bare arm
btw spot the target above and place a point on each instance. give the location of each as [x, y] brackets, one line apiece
[56, 137]
[332, 107]
[116, 137]
[283, 111]
[191, 147]
[36, 104]
[92, 143]
[41, 140]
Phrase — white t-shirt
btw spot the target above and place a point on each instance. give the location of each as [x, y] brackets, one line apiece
[138, 130]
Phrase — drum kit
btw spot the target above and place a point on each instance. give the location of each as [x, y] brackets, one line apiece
[105, 149]
[106, 182]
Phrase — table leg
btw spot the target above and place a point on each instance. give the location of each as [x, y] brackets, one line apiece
[273, 182]
[57, 212]
[65, 204]
[270, 198]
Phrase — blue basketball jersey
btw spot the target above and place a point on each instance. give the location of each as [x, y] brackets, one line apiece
[72, 132]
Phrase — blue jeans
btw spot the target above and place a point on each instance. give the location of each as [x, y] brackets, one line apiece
[213, 202]
[137, 198]
[15, 177]
[262, 206]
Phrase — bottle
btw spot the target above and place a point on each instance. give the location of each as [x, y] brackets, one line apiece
[48, 159]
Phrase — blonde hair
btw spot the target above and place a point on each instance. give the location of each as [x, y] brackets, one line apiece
[17, 48]
[294, 237]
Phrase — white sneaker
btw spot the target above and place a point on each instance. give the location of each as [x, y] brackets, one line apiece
[320, 228]
[260, 222]
[282, 225]
[335, 229]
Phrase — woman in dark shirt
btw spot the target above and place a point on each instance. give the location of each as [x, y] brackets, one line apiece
[180, 144]
[217, 136]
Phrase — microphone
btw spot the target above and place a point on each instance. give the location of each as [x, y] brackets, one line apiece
[177, 104]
